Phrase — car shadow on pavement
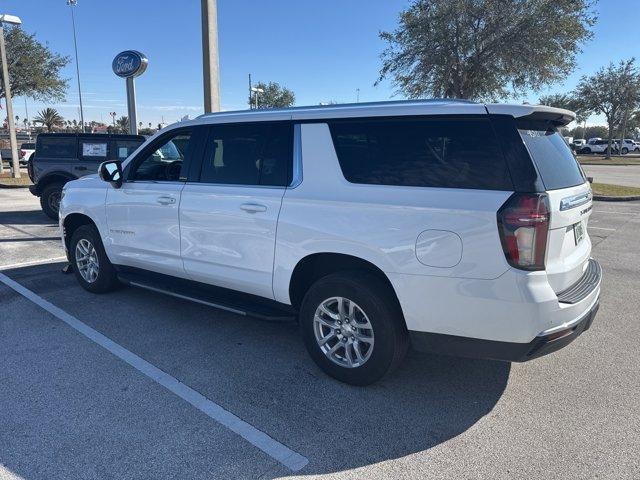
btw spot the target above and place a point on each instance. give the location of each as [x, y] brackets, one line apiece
[26, 217]
[261, 372]
[428, 401]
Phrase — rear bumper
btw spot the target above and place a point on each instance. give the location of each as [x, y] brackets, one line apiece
[556, 323]
[543, 344]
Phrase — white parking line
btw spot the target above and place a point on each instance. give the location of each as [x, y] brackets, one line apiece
[602, 228]
[276, 450]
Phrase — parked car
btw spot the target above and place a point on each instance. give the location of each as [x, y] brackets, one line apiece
[26, 150]
[61, 157]
[598, 146]
[578, 143]
[458, 227]
[628, 145]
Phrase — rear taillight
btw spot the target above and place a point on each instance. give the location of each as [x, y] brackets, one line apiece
[22, 153]
[523, 222]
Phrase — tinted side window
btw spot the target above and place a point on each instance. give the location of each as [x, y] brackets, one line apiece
[163, 163]
[556, 164]
[61, 147]
[447, 153]
[248, 154]
[93, 150]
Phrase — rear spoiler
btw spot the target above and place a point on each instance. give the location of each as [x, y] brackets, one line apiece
[558, 117]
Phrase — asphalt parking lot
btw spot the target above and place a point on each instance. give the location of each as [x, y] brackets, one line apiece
[627, 175]
[134, 384]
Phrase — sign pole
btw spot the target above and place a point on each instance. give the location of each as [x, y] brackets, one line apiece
[128, 65]
[131, 106]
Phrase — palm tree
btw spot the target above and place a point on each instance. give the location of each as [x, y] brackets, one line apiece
[122, 124]
[50, 118]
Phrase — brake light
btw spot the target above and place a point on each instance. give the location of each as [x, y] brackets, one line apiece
[523, 223]
[22, 153]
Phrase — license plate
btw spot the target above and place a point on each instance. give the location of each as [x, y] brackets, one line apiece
[578, 232]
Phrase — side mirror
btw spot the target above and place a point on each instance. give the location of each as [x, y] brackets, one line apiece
[111, 172]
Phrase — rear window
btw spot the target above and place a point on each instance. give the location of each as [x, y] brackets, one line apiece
[435, 152]
[57, 147]
[556, 164]
[28, 146]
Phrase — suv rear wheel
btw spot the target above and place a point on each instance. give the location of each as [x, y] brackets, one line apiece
[90, 263]
[353, 328]
[50, 200]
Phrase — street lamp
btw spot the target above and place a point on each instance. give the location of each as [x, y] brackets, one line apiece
[257, 90]
[73, 3]
[15, 162]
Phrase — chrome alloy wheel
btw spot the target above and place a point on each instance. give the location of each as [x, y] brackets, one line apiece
[343, 332]
[87, 260]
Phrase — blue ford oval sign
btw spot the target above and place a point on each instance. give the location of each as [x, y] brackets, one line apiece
[129, 63]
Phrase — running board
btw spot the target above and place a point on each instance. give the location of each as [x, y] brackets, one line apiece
[211, 296]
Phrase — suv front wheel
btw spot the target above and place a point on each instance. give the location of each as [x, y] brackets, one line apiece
[353, 328]
[50, 200]
[90, 263]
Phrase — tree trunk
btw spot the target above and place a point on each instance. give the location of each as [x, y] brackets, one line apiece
[609, 139]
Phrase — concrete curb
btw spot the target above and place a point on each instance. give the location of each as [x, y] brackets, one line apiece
[14, 186]
[605, 198]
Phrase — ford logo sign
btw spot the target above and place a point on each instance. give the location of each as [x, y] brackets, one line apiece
[129, 63]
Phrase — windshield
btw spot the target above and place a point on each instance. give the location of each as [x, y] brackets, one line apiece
[556, 164]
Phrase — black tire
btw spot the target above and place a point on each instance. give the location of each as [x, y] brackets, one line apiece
[50, 200]
[372, 295]
[585, 151]
[107, 279]
[625, 150]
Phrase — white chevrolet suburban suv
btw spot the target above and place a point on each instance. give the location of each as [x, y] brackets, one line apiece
[457, 227]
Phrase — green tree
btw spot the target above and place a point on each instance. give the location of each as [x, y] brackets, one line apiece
[122, 125]
[50, 118]
[273, 96]
[594, 131]
[34, 70]
[569, 102]
[613, 91]
[484, 49]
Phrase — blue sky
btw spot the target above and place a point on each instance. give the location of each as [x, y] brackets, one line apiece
[322, 49]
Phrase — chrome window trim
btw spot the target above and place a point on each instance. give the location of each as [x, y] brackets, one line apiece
[296, 174]
[280, 187]
[574, 201]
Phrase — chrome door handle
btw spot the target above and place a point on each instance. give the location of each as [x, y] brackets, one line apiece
[253, 207]
[166, 200]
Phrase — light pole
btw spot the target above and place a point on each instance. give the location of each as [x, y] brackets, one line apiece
[73, 3]
[15, 161]
[210, 63]
[256, 90]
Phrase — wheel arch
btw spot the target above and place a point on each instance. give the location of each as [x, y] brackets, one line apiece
[53, 177]
[311, 268]
[72, 222]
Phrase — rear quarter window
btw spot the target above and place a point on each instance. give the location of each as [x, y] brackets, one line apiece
[122, 148]
[556, 164]
[423, 152]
